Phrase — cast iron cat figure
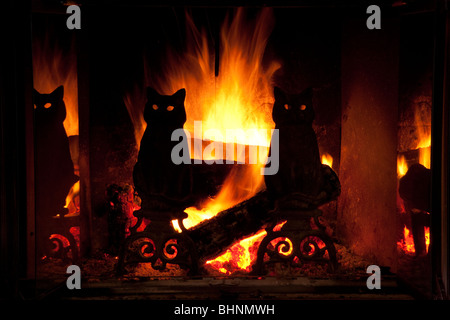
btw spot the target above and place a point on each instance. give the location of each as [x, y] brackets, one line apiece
[54, 171]
[160, 183]
[300, 169]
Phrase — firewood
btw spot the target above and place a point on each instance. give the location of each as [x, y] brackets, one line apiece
[212, 237]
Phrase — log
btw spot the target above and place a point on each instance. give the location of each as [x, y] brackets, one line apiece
[214, 236]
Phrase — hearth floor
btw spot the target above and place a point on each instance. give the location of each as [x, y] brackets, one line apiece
[269, 288]
[141, 282]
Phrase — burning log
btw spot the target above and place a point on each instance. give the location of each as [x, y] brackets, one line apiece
[214, 236]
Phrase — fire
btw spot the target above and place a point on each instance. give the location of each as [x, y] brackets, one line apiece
[402, 167]
[74, 191]
[327, 159]
[424, 147]
[239, 97]
[427, 237]
[240, 256]
[53, 67]
[424, 138]
[407, 243]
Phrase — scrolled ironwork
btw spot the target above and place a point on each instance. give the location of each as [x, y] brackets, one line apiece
[297, 243]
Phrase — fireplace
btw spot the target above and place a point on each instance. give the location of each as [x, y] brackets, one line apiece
[104, 192]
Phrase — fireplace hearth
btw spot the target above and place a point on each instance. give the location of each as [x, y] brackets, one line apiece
[263, 151]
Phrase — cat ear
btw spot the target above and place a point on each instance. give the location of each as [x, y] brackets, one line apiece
[151, 93]
[58, 93]
[179, 96]
[279, 94]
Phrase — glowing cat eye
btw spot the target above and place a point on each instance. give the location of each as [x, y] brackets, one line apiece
[169, 108]
[286, 106]
[302, 107]
[155, 107]
[47, 105]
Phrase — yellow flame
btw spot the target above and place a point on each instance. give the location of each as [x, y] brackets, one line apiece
[402, 167]
[327, 159]
[424, 138]
[74, 191]
[239, 254]
[239, 98]
[407, 243]
[427, 237]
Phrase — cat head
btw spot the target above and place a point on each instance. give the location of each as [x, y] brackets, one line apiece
[165, 111]
[293, 109]
[50, 105]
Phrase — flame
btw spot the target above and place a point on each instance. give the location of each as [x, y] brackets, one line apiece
[402, 167]
[424, 138]
[240, 256]
[240, 98]
[53, 67]
[73, 192]
[407, 243]
[427, 237]
[423, 135]
[327, 159]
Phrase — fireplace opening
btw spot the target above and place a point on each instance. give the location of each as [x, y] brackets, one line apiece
[175, 142]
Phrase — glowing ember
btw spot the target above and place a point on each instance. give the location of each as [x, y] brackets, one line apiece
[240, 256]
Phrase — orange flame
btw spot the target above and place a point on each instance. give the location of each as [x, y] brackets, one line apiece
[239, 98]
[402, 167]
[407, 243]
[327, 159]
[427, 237]
[239, 257]
[424, 138]
[73, 192]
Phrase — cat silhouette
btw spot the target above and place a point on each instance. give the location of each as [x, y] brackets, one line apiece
[300, 169]
[54, 170]
[155, 175]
